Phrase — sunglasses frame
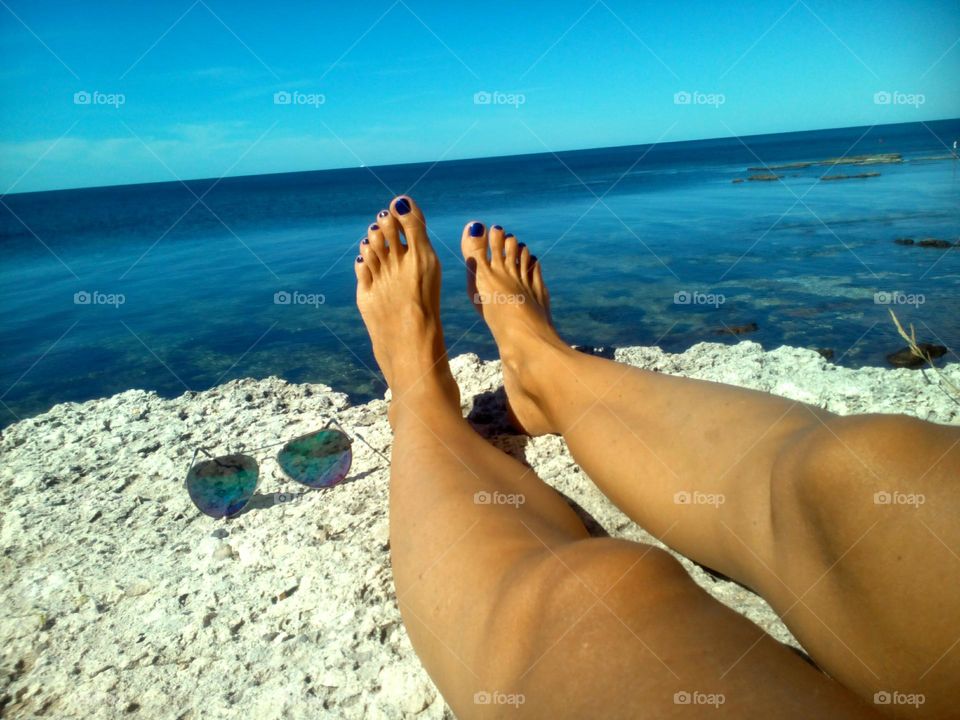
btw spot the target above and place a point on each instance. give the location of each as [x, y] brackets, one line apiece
[250, 453]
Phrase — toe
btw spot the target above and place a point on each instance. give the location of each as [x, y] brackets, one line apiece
[364, 278]
[539, 288]
[523, 257]
[378, 244]
[510, 253]
[473, 244]
[391, 231]
[412, 223]
[369, 257]
[496, 244]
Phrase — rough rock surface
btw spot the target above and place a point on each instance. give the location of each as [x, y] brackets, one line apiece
[120, 599]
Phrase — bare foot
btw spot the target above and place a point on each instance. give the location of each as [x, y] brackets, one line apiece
[398, 293]
[507, 288]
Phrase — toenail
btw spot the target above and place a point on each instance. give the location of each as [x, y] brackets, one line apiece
[365, 241]
[402, 206]
[359, 258]
[382, 214]
[476, 230]
[498, 227]
[374, 227]
[521, 246]
[508, 235]
[533, 259]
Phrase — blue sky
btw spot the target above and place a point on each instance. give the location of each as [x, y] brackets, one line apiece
[186, 89]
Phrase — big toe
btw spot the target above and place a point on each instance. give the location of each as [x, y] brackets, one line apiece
[413, 224]
[473, 245]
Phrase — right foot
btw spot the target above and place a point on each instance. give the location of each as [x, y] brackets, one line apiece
[508, 291]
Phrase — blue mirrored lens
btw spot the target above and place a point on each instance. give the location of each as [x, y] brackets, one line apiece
[318, 459]
[223, 486]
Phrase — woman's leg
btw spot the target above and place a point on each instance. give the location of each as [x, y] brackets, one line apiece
[506, 599]
[787, 498]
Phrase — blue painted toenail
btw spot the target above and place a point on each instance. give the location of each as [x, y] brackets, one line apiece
[365, 241]
[476, 230]
[508, 235]
[374, 227]
[521, 246]
[402, 206]
[382, 214]
[533, 259]
[498, 227]
[359, 258]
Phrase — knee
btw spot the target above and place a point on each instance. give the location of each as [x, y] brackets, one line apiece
[843, 468]
[618, 574]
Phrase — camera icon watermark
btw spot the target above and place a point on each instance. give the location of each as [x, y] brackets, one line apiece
[895, 97]
[686, 497]
[283, 97]
[884, 497]
[287, 498]
[84, 97]
[687, 297]
[495, 697]
[483, 97]
[296, 297]
[684, 697]
[499, 298]
[685, 97]
[99, 298]
[482, 497]
[894, 697]
[898, 298]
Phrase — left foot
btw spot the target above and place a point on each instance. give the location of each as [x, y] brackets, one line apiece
[398, 293]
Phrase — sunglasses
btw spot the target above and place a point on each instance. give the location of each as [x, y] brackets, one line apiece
[222, 486]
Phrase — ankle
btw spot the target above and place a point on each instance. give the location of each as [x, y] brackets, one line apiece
[433, 397]
[543, 372]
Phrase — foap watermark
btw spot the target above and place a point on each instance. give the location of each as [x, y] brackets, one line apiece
[684, 697]
[482, 497]
[687, 297]
[898, 298]
[894, 697]
[895, 97]
[685, 97]
[99, 298]
[295, 297]
[499, 298]
[283, 97]
[899, 498]
[685, 497]
[84, 97]
[495, 697]
[482, 97]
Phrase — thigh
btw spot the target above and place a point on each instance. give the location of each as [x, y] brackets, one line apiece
[608, 628]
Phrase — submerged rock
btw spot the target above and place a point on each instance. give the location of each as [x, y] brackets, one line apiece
[927, 243]
[851, 177]
[934, 243]
[737, 329]
[906, 358]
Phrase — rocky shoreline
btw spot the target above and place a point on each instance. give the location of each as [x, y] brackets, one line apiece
[123, 600]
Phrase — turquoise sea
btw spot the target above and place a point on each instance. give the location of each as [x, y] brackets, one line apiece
[173, 286]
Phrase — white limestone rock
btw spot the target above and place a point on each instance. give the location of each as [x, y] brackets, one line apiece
[121, 599]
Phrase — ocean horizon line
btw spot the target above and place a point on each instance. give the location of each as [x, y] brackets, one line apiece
[450, 161]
